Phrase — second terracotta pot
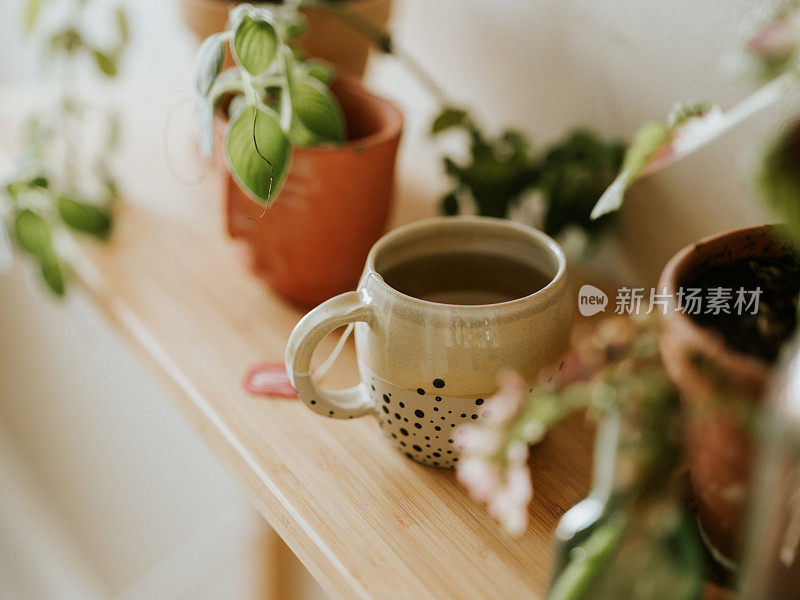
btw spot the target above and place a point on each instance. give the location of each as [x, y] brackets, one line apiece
[311, 243]
[328, 37]
[721, 390]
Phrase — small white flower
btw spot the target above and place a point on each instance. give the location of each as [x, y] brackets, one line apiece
[474, 439]
[510, 502]
[505, 404]
[494, 468]
[479, 477]
[776, 37]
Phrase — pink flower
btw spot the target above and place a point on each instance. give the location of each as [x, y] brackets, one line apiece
[494, 465]
[775, 38]
[481, 478]
[478, 440]
[506, 402]
[509, 503]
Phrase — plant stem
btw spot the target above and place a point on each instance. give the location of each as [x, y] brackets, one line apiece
[382, 40]
[286, 93]
[764, 97]
[66, 96]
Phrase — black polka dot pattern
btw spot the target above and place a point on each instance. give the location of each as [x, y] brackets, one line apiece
[421, 420]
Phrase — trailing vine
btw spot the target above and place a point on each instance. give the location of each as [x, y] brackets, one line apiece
[46, 197]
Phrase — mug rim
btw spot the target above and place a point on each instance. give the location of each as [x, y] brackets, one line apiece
[545, 293]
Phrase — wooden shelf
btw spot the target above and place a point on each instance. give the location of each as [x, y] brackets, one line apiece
[366, 521]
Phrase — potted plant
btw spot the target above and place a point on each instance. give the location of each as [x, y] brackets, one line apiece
[631, 537]
[723, 358]
[322, 148]
[722, 362]
[327, 36]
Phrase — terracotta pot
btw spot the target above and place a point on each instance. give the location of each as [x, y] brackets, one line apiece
[337, 42]
[311, 243]
[719, 436]
[327, 37]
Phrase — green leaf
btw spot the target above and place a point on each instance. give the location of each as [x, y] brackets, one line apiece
[33, 132]
[583, 568]
[255, 45]
[448, 118]
[449, 205]
[106, 178]
[317, 109]
[52, 272]
[496, 173]
[107, 63]
[300, 136]
[15, 187]
[112, 132]
[613, 197]
[66, 40]
[295, 28]
[32, 232]
[247, 164]
[780, 181]
[32, 10]
[651, 137]
[84, 217]
[122, 26]
[573, 174]
[320, 70]
[684, 111]
[208, 65]
[33, 236]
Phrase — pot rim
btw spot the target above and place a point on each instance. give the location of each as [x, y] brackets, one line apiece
[709, 340]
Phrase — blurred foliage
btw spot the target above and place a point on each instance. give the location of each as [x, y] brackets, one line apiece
[780, 181]
[51, 188]
[573, 174]
[771, 54]
[570, 175]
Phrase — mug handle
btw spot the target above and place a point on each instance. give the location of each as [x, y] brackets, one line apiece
[349, 307]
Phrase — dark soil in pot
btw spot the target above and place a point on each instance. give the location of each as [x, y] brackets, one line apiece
[763, 334]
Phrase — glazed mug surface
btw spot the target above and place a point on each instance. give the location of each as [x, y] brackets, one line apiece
[426, 367]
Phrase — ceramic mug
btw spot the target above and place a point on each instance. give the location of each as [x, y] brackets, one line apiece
[426, 367]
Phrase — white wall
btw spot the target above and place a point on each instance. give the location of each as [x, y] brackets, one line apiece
[547, 65]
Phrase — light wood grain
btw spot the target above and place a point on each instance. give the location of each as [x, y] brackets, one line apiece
[366, 521]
